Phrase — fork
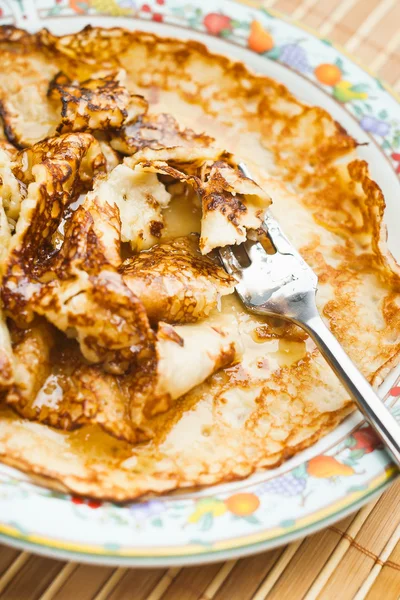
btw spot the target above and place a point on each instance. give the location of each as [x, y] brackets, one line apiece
[283, 285]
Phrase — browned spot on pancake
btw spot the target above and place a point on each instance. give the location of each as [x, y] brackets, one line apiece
[156, 228]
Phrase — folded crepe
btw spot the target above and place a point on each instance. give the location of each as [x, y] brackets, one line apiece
[231, 204]
[97, 104]
[53, 384]
[175, 282]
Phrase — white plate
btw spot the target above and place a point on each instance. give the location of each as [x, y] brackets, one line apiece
[296, 499]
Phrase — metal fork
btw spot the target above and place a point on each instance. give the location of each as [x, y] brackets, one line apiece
[283, 285]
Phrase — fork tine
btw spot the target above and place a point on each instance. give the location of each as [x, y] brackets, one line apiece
[255, 251]
[276, 235]
[244, 169]
[229, 260]
[270, 225]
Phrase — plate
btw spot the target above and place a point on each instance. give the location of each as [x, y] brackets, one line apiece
[320, 485]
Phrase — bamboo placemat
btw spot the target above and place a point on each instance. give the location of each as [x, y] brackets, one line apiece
[356, 559]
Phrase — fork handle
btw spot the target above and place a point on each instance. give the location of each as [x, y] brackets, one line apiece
[357, 386]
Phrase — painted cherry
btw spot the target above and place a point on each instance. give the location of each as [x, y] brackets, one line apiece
[90, 503]
[215, 23]
[77, 500]
[396, 157]
[367, 440]
[94, 504]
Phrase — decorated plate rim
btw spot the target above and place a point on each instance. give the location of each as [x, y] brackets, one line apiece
[96, 555]
[265, 538]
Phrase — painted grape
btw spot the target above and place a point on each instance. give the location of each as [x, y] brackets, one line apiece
[287, 485]
[294, 56]
[374, 125]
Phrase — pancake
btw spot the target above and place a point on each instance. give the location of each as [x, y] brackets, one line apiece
[97, 104]
[10, 200]
[24, 82]
[231, 204]
[53, 384]
[140, 198]
[157, 132]
[242, 209]
[175, 283]
[280, 396]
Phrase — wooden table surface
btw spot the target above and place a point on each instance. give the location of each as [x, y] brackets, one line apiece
[357, 558]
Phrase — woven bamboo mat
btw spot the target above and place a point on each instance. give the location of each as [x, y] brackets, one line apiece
[358, 558]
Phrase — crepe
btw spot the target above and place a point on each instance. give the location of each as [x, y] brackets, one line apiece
[231, 204]
[157, 132]
[175, 283]
[140, 198]
[53, 384]
[97, 104]
[10, 201]
[11, 190]
[280, 396]
[24, 81]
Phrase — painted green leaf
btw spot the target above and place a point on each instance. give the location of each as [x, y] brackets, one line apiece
[193, 22]
[358, 110]
[383, 114]
[357, 454]
[207, 521]
[58, 495]
[56, 10]
[236, 517]
[300, 472]
[224, 33]
[339, 63]
[273, 54]
[360, 87]
[252, 519]
[157, 522]
[287, 523]
[351, 442]
[111, 546]
[20, 4]
[357, 488]
[396, 412]
[396, 139]
[267, 13]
